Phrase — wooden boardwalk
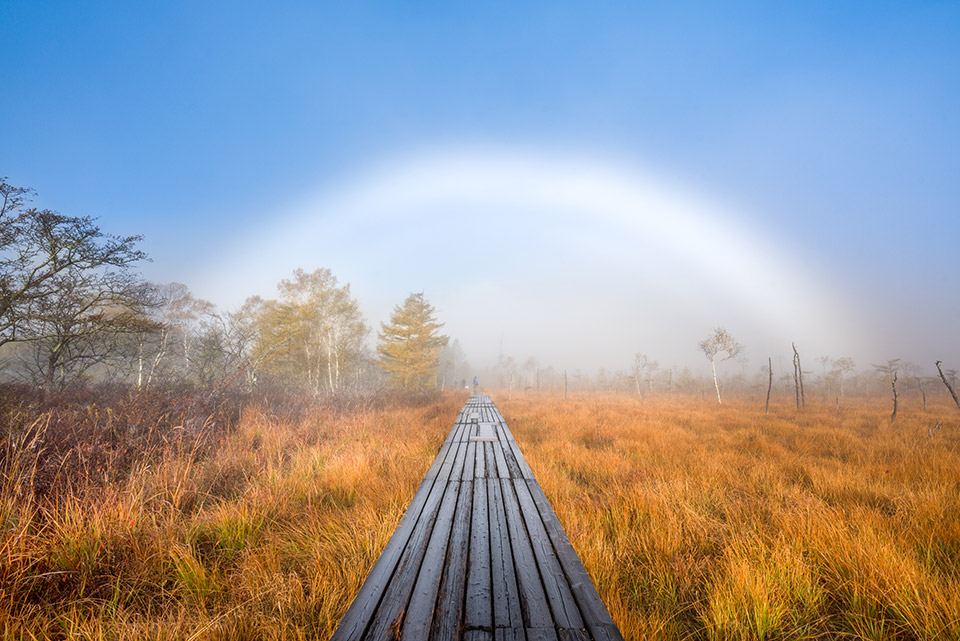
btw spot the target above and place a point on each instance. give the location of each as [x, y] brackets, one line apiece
[479, 553]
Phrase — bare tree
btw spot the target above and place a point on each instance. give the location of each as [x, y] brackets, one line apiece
[86, 322]
[643, 369]
[769, 384]
[798, 378]
[43, 253]
[889, 372]
[717, 344]
[842, 366]
[943, 378]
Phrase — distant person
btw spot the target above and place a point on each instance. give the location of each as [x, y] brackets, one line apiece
[463, 383]
[476, 385]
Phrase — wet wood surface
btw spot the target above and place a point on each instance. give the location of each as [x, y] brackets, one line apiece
[479, 553]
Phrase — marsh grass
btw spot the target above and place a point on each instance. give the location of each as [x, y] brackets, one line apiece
[719, 522]
[264, 529]
[695, 521]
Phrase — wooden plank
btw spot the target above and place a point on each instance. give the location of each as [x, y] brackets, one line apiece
[460, 462]
[562, 604]
[438, 461]
[541, 634]
[506, 594]
[419, 612]
[502, 470]
[594, 612]
[449, 612]
[355, 621]
[513, 467]
[479, 462]
[525, 470]
[388, 615]
[478, 612]
[483, 559]
[606, 633]
[488, 448]
[507, 434]
[532, 598]
[448, 463]
[484, 432]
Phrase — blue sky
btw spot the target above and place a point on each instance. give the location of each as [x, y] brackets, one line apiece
[832, 130]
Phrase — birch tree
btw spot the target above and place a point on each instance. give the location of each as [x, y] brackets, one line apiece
[720, 345]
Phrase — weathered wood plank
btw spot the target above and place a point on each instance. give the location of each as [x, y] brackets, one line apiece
[479, 554]
[489, 449]
[514, 450]
[419, 612]
[506, 595]
[478, 612]
[513, 467]
[594, 612]
[541, 634]
[484, 432]
[388, 615]
[562, 604]
[502, 470]
[449, 613]
[437, 462]
[536, 612]
[358, 616]
[459, 463]
[479, 461]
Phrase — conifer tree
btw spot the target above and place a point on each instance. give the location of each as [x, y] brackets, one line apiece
[410, 345]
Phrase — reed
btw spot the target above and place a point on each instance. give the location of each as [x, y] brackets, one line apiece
[695, 521]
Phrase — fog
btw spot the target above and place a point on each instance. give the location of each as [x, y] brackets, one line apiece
[576, 259]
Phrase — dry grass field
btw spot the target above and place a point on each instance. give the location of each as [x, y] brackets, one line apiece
[695, 521]
[698, 521]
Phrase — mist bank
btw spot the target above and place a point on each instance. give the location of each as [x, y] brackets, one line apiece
[582, 259]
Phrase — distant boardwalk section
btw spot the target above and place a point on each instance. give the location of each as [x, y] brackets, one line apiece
[479, 553]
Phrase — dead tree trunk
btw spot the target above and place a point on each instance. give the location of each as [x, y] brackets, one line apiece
[949, 386]
[769, 384]
[893, 383]
[923, 392]
[796, 375]
[798, 378]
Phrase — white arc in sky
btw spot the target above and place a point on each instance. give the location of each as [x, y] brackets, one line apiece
[584, 260]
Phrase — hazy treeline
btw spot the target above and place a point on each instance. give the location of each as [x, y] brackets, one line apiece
[829, 377]
[73, 309]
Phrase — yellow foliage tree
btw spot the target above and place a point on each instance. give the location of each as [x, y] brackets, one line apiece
[410, 345]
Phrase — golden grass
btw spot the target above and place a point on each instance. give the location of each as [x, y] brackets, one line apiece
[269, 537]
[720, 522]
[695, 521]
